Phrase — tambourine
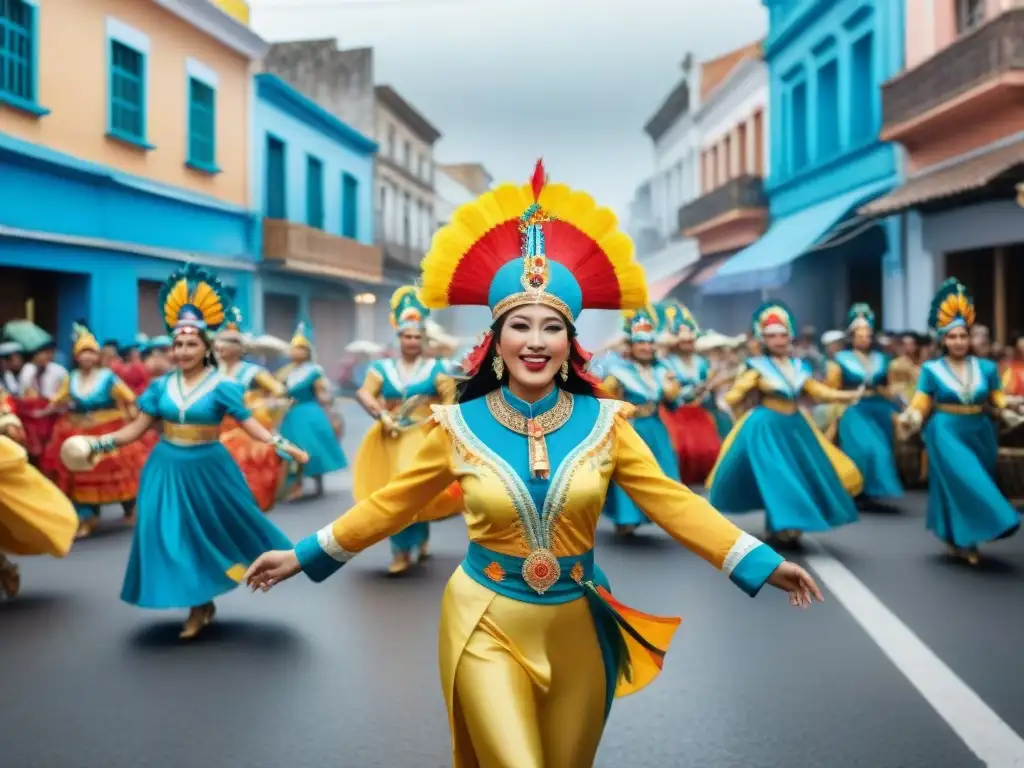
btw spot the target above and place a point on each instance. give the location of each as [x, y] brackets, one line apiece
[78, 455]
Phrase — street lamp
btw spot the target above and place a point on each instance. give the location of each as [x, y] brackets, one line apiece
[366, 298]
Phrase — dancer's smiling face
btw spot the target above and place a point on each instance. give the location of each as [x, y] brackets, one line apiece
[534, 342]
[190, 351]
[87, 359]
[643, 351]
[777, 343]
[957, 342]
[411, 343]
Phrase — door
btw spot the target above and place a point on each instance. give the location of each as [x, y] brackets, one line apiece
[334, 320]
[28, 294]
[151, 315]
[280, 315]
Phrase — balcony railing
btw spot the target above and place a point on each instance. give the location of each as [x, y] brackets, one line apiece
[994, 49]
[286, 241]
[743, 192]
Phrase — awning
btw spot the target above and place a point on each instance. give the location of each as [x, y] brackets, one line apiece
[707, 268]
[964, 176]
[767, 263]
[667, 268]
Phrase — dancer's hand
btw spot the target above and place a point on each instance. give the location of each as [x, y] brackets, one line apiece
[271, 568]
[297, 454]
[790, 577]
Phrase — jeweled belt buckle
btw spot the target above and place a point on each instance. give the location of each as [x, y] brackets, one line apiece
[541, 570]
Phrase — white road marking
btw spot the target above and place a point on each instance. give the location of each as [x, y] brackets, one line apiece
[978, 726]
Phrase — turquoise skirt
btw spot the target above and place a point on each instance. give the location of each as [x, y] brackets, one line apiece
[308, 426]
[866, 436]
[410, 538]
[965, 506]
[198, 528]
[618, 506]
[775, 462]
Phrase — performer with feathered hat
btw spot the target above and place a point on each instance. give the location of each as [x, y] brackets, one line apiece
[775, 458]
[265, 397]
[693, 425]
[308, 423]
[864, 431]
[965, 507]
[646, 383]
[36, 518]
[199, 526]
[399, 393]
[528, 627]
[95, 402]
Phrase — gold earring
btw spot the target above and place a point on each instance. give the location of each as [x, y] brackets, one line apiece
[564, 372]
[498, 366]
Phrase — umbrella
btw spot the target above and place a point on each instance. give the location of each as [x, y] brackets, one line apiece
[268, 345]
[30, 336]
[364, 348]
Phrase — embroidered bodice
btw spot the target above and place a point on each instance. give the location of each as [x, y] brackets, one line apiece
[638, 384]
[213, 398]
[976, 385]
[252, 376]
[100, 392]
[389, 379]
[302, 382]
[690, 372]
[785, 379]
[871, 370]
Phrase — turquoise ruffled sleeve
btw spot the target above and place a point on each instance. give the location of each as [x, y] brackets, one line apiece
[231, 397]
[149, 401]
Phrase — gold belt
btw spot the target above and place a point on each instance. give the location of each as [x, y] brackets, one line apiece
[960, 410]
[190, 434]
[779, 405]
[94, 418]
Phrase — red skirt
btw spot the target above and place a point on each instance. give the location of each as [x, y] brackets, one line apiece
[38, 430]
[115, 479]
[695, 437]
[265, 471]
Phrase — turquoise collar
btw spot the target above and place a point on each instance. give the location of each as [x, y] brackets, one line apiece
[531, 410]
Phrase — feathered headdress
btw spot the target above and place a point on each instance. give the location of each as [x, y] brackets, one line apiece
[193, 301]
[683, 324]
[666, 321]
[303, 336]
[773, 317]
[951, 308]
[407, 310]
[82, 340]
[860, 316]
[640, 325]
[231, 330]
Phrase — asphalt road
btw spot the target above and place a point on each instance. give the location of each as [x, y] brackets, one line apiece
[344, 673]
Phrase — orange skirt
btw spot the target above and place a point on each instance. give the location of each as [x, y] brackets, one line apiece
[114, 480]
[264, 470]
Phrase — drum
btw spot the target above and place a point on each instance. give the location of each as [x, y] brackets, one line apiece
[1010, 465]
[911, 461]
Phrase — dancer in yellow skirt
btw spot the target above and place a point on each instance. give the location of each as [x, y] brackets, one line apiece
[533, 647]
[35, 517]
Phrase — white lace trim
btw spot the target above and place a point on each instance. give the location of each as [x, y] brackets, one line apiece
[325, 538]
[744, 545]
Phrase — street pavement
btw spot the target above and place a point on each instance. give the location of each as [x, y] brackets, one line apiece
[912, 661]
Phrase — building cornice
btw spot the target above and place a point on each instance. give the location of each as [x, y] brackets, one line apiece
[802, 17]
[675, 106]
[742, 77]
[205, 16]
[407, 113]
[275, 91]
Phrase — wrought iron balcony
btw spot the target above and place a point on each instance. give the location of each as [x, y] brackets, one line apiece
[741, 193]
[306, 249]
[984, 55]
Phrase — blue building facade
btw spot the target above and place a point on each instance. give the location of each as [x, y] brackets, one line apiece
[827, 60]
[316, 172]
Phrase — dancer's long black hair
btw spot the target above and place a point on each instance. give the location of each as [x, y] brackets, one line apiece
[484, 380]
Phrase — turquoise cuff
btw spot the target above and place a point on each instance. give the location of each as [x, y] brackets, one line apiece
[753, 570]
[315, 563]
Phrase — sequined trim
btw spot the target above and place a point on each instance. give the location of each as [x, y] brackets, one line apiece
[549, 421]
[744, 545]
[527, 299]
[495, 572]
[331, 547]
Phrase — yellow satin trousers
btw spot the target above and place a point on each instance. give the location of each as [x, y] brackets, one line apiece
[35, 517]
[524, 683]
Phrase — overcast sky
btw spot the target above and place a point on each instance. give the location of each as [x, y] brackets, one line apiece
[507, 81]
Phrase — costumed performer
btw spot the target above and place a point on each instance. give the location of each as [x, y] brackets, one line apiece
[865, 431]
[308, 422]
[399, 393]
[35, 517]
[646, 383]
[265, 397]
[156, 357]
[533, 646]
[39, 380]
[198, 524]
[775, 458]
[93, 402]
[965, 506]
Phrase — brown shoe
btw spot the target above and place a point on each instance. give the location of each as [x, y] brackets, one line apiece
[87, 526]
[10, 578]
[400, 564]
[198, 619]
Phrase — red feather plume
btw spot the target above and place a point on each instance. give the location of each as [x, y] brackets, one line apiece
[538, 180]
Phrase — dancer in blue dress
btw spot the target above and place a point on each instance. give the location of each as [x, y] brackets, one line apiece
[965, 506]
[307, 423]
[646, 383]
[865, 431]
[198, 525]
[775, 458]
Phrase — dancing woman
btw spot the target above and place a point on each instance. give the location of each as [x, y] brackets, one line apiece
[965, 507]
[198, 526]
[307, 423]
[36, 518]
[646, 383]
[775, 458]
[98, 404]
[865, 429]
[533, 647]
[264, 470]
[399, 393]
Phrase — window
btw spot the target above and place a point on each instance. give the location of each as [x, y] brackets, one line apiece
[201, 125]
[863, 107]
[828, 110]
[392, 148]
[798, 126]
[969, 14]
[314, 192]
[349, 206]
[127, 93]
[18, 52]
[274, 193]
[407, 155]
[406, 220]
[421, 167]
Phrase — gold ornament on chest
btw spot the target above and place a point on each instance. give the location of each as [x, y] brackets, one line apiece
[535, 430]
